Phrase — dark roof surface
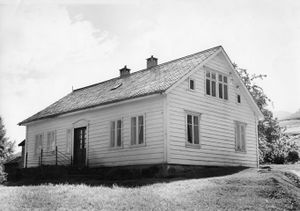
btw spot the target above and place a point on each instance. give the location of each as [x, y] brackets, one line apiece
[22, 143]
[16, 158]
[141, 83]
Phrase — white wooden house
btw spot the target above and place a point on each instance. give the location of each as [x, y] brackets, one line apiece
[194, 110]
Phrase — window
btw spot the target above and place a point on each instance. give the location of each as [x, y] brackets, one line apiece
[223, 87]
[116, 133]
[240, 136]
[51, 138]
[238, 98]
[192, 129]
[68, 140]
[191, 84]
[38, 144]
[213, 85]
[137, 130]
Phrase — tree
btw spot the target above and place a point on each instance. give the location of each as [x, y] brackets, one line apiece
[6, 148]
[274, 145]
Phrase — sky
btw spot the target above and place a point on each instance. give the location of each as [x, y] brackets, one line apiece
[49, 47]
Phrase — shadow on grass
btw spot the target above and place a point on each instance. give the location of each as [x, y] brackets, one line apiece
[126, 178]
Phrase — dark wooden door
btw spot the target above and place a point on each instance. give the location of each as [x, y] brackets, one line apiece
[79, 146]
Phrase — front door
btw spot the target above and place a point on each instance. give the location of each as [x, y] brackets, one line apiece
[79, 146]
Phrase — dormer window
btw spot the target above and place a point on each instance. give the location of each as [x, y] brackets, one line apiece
[191, 84]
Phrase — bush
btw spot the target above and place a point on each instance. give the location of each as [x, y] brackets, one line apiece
[293, 156]
[279, 159]
[278, 151]
[3, 175]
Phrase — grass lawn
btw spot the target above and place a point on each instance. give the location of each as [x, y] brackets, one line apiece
[248, 189]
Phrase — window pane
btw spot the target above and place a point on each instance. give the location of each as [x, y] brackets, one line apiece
[36, 144]
[213, 88]
[53, 140]
[119, 133]
[48, 141]
[220, 90]
[141, 129]
[208, 86]
[189, 133]
[208, 74]
[220, 77]
[238, 138]
[189, 119]
[196, 129]
[133, 130]
[41, 142]
[242, 137]
[119, 124]
[213, 75]
[196, 120]
[225, 92]
[68, 141]
[239, 98]
[225, 79]
[192, 84]
[112, 134]
[196, 134]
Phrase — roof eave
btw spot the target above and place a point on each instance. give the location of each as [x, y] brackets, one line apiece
[24, 123]
[257, 111]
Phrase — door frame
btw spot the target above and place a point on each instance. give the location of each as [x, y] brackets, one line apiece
[78, 124]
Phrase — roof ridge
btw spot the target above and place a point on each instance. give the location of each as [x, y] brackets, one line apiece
[164, 63]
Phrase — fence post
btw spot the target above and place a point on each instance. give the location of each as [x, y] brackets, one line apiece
[26, 157]
[56, 155]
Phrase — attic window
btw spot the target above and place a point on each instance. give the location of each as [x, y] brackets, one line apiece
[216, 85]
[191, 84]
[116, 86]
[238, 98]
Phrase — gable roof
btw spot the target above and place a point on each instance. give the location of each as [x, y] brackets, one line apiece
[251, 101]
[248, 96]
[138, 84]
[22, 143]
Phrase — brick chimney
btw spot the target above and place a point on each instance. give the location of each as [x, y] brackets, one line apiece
[151, 62]
[124, 72]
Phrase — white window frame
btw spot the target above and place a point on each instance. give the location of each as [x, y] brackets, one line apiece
[223, 84]
[38, 146]
[113, 143]
[189, 84]
[137, 131]
[51, 146]
[240, 136]
[217, 73]
[187, 143]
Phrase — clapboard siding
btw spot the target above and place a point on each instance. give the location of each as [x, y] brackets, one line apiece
[217, 136]
[99, 151]
[165, 127]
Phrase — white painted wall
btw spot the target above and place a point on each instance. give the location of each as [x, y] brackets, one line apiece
[217, 138]
[165, 120]
[99, 151]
